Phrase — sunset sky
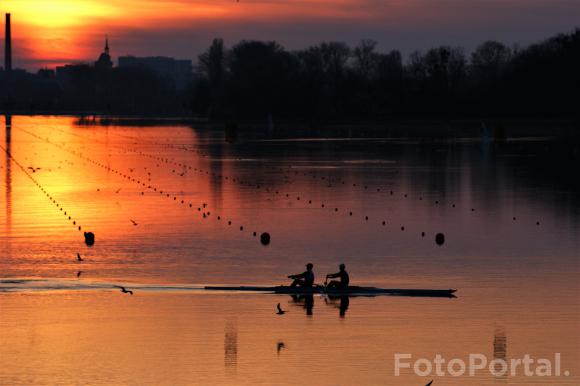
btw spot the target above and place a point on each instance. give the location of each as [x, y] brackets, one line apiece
[51, 32]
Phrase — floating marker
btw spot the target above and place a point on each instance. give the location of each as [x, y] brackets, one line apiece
[440, 238]
[265, 238]
[89, 238]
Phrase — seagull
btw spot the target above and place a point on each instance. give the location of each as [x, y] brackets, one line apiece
[124, 290]
[134, 223]
[79, 258]
[280, 310]
[429, 384]
[280, 346]
[79, 273]
[118, 190]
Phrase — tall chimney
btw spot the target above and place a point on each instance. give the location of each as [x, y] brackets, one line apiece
[8, 46]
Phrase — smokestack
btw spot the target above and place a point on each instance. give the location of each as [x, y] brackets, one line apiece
[8, 46]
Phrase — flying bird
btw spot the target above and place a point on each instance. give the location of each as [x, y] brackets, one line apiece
[134, 223]
[280, 310]
[280, 346]
[118, 190]
[79, 273]
[429, 384]
[79, 258]
[124, 290]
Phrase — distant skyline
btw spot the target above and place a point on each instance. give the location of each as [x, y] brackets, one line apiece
[50, 33]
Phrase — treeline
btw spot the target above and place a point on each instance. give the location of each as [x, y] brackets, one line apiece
[331, 81]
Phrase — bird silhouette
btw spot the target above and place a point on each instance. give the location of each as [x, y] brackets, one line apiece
[79, 273]
[134, 223]
[79, 258]
[124, 290]
[429, 384]
[118, 190]
[280, 310]
[280, 346]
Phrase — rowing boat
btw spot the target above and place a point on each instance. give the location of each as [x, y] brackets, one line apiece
[351, 291]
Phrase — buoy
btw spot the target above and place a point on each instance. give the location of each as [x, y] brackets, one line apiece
[265, 238]
[422, 234]
[402, 228]
[89, 238]
[440, 238]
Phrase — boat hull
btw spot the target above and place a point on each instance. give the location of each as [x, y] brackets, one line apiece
[351, 291]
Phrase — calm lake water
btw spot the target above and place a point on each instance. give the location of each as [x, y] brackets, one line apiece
[160, 198]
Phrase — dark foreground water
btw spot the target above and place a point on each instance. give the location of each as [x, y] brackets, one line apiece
[175, 208]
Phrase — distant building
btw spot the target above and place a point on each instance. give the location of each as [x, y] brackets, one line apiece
[104, 62]
[180, 72]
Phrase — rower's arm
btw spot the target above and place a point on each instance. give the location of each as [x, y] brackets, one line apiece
[333, 275]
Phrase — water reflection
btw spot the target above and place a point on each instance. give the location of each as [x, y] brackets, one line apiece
[499, 276]
[8, 176]
[231, 344]
[340, 302]
[306, 301]
[500, 353]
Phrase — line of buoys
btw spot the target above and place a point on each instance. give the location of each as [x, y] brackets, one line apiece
[121, 174]
[258, 186]
[243, 183]
[48, 195]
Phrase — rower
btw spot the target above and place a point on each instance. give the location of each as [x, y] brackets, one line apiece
[304, 279]
[344, 279]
